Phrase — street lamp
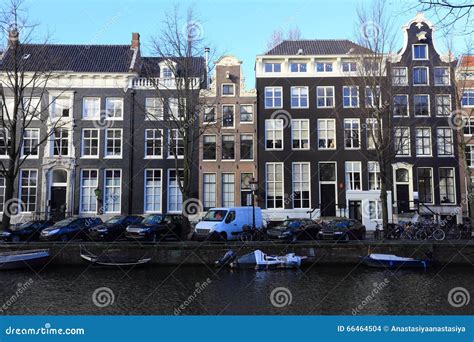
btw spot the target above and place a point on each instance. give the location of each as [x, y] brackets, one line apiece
[254, 187]
[98, 196]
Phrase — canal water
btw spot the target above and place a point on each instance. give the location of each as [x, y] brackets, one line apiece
[186, 290]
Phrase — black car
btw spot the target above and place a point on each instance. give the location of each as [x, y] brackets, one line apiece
[28, 231]
[70, 229]
[114, 228]
[158, 227]
[342, 229]
[295, 230]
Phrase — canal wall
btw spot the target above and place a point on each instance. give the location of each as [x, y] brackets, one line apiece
[195, 253]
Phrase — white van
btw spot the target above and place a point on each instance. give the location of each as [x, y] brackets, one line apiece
[228, 222]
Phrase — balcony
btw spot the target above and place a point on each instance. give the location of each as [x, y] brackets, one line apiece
[162, 83]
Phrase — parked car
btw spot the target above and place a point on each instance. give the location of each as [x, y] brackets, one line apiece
[295, 229]
[159, 227]
[342, 229]
[27, 231]
[227, 223]
[70, 228]
[114, 228]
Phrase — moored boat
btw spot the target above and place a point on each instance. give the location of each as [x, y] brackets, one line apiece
[23, 259]
[114, 260]
[394, 261]
[262, 261]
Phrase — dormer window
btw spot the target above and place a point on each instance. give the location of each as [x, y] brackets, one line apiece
[349, 66]
[323, 67]
[420, 52]
[166, 72]
[272, 67]
[298, 67]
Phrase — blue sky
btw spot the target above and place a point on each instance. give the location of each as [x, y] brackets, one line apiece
[239, 27]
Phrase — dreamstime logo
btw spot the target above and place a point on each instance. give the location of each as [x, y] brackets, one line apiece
[370, 30]
[102, 297]
[458, 297]
[375, 291]
[283, 115]
[192, 208]
[13, 207]
[21, 288]
[193, 30]
[281, 297]
[200, 287]
[104, 120]
[458, 119]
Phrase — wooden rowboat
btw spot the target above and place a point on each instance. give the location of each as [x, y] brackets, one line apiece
[23, 259]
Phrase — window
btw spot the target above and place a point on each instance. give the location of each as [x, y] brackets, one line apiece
[325, 97]
[274, 185]
[210, 114]
[272, 67]
[246, 113]
[374, 175]
[300, 134]
[425, 185]
[370, 100]
[113, 142]
[375, 210]
[420, 76]
[351, 133]
[443, 105]
[246, 189]
[153, 190]
[177, 108]
[323, 67]
[228, 147]
[445, 141]
[447, 192]
[420, 51]
[467, 99]
[400, 105]
[373, 131]
[154, 143]
[153, 108]
[353, 176]
[31, 142]
[175, 196]
[350, 96]
[298, 67]
[327, 172]
[228, 189]
[274, 134]
[468, 125]
[441, 76]
[228, 90]
[423, 141]
[469, 153]
[60, 107]
[273, 97]
[90, 142]
[61, 142]
[422, 105]
[175, 144]
[209, 147]
[5, 142]
[209, 190]
[28, 190]
[402, 141]
[114, 108]
[89, 182]
[349, 66]
[246, 146]
[227, 116]
[2, 194]
[113, 189]
[166, 73]
[91, 108]
[399, 76]
[32, 107]
[326, 134]
[301, 185]
[299, 97]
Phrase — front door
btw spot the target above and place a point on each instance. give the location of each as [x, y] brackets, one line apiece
[58, 202]
[355, 211]
[328, 200]
[403, 198]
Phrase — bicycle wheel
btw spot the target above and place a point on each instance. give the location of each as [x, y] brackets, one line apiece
[421, 235]
[245, 236]
[439, 234]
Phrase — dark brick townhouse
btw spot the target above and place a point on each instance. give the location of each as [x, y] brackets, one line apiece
[111, 153]
[312, 141]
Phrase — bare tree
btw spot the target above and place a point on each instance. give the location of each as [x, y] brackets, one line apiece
[24, 102]
[279, 35]
[451, 14]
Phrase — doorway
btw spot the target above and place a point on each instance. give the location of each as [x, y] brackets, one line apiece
[328, 200]
[402, 178]
[355, 210]
[58, 195]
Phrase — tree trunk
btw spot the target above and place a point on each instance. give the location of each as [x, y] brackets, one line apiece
[7, 209]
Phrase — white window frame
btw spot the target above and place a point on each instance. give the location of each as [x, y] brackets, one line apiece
[98, 109]
[110, 104]
[469, 92]
[351, 96]
[432, 183]
[449, 76]
[442, 141]
[228, 203]
[413, 52]
[240, 146]
[299, 66]
[273, 91]
[240, 114]
[272, 67]
[427, 76]
[179, 194]
[351, 122]
[298, 93]
[113, 156]
[443, 96]
[325, 64]
[273, 183]
[408, 106]
[83, 143]
[407, 145]
[414, 106]
[154, 189]
[28, 189]
[157, 112]
[177, 138]
[423, 138]
[222, 146]
[373, 168]
[352, 66]
[300, 182]
[233, 90]
[215, 146]
[206, 193]
[399, 77]
[54, 139]
[326, 130]
[297, 131]
[37, 145]
[276, 129]
[325, 97]
[154, 131]
[113, 187]
[350, 172]
[454, 185]
[233, 115]
[92, 193]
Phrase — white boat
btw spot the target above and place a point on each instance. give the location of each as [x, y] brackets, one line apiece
[260, 260]
[394, 261]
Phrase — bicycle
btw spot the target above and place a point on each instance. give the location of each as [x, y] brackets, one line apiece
[252, 234]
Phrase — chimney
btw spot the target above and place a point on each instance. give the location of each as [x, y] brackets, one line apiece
[13, 36]
[135, 40]
[206, 54]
